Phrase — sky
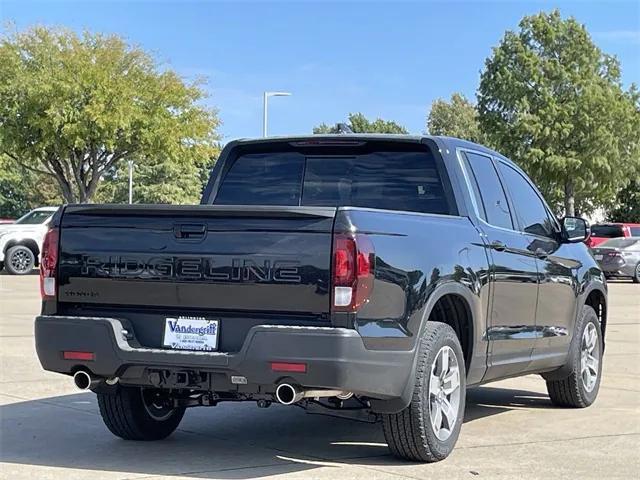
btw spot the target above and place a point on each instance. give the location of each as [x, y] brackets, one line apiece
[384, 59]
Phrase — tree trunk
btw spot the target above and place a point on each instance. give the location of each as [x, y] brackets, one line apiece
[569, 199]
[66, 189]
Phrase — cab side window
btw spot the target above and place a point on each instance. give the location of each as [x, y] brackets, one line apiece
[529, 208]
[488, 191]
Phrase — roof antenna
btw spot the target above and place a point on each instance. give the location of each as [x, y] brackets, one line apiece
[343, 129]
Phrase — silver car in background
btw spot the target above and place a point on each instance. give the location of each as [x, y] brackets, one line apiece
[619, 257]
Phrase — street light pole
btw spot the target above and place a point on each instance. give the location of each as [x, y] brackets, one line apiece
[130, 162]
[265, 107]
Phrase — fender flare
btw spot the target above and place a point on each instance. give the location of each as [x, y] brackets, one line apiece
[395, 405]
[30, 243]
[582, 301]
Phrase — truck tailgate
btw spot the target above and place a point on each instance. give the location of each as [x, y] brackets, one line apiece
[242, 266]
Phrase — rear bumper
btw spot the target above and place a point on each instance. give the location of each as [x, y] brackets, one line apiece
[621, 269]
[336, 358]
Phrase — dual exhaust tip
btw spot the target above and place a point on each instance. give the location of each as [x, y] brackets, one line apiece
[85, 381]
[288, 394]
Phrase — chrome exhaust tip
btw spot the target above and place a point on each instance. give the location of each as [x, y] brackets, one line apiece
[84, 380]
[288, 394]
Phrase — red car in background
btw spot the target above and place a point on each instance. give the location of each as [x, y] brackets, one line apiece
[604, 231]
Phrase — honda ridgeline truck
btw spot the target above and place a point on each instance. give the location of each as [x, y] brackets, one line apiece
[380, 273]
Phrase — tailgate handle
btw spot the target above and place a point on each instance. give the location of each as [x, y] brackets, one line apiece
[190, 231]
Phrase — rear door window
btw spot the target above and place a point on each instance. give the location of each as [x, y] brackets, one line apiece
[494, 208]
[391, 180]
[635, 231]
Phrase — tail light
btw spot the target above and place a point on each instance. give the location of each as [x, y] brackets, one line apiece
[48, 264]
[353, 271]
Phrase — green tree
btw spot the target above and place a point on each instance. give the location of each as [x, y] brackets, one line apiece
[74, 108]
[626, 207]
[456, 118]
[22, 190]
[358, 123]
[553, 101]
[157, 181]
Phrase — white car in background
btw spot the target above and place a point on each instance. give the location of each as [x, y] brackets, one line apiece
[21, 242]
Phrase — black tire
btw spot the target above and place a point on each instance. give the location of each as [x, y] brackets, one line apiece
[410, 433]
[19, 260]
[636, 276]
[571, 390]
[127, 415]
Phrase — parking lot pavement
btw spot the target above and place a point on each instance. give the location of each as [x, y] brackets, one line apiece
[49, 430]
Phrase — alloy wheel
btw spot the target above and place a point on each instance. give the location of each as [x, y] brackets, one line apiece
[589, 357]
[21, 261]
[444, 393]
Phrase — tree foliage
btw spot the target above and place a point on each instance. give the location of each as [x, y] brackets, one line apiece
[74, 108]
[358, 123]
[156, 181]
[22, 190]
[456, 118]
[553, 101]
[626, 207]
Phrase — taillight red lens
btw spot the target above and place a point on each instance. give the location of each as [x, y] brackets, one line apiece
[353, 271]
[344, 255]
[48, 264]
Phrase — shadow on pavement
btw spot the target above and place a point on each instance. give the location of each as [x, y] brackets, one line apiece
[35, 271]
[234, 441]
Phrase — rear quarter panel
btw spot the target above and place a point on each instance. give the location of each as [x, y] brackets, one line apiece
[419, 257]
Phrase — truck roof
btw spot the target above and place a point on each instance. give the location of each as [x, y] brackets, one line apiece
[449, 142]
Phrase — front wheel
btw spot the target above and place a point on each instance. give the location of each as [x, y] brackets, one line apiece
[636, 274]
[427, 430]
[579, 388]
[135, 413]
[19, 260]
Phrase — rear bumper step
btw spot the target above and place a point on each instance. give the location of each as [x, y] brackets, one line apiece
[336, 358]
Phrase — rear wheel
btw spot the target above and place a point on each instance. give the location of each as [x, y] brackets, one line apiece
[427, 430]
[135, 413]
[19, 260]
[580, 387]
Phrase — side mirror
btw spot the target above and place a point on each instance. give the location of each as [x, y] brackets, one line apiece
[575, 230]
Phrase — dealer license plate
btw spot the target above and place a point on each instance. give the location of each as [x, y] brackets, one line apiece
[598, 257]
[191, 333]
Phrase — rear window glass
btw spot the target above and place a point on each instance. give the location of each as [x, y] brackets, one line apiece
[391, 180]
[263, 179]
[606, 231]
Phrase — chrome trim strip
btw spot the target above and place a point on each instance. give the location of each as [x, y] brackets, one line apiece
[524, 332]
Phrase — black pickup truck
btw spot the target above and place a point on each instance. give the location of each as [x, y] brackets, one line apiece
[374, 274]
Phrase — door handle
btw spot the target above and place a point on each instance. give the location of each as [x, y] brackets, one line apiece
[498, 246]
[541, 254]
